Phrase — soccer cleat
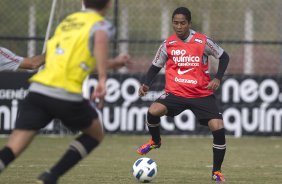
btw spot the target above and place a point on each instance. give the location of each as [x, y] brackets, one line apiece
[145, 148]
[218, 176]
[46, 178]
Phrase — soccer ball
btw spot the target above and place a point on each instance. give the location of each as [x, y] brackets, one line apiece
[144, 169]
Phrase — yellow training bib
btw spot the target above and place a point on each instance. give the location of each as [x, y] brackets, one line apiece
[68, 59]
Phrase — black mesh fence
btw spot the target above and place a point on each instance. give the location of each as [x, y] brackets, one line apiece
[250, 31]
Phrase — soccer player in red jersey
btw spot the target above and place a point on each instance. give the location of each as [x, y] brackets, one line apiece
[188, 85]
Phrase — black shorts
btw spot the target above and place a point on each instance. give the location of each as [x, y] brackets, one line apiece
[204, 108]
[38, 110]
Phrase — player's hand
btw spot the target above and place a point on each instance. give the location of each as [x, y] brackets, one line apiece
[122, 59]
[214, 84]
[98, 95]
[101, 103]
[143, 90]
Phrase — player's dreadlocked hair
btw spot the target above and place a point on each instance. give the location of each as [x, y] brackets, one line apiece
[184, 11]
[96, 4]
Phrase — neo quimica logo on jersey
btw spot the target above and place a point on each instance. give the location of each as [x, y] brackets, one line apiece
[181, 58]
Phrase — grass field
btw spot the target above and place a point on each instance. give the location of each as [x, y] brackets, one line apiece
[181, 160]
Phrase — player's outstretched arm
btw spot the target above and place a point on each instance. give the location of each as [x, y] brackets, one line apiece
[32, 63]
[121, 60]
[117, 62]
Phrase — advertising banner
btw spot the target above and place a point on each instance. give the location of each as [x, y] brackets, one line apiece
[251, 105]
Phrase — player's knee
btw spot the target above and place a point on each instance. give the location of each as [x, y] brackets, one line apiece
[152, 119]
[95, 130]
[100, 132]
[215, 124]
[101, 136]
[158, 109]
[84, 144]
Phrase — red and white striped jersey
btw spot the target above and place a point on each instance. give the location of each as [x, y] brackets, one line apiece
[9, 60]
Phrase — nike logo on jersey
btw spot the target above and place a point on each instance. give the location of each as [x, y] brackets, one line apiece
[181, 72]
[198, 40]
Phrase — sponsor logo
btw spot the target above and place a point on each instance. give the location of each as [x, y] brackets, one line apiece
[181, 72]
[181, 58]
[158, 54]
[71, 24]
[10, 94]
[199, 40]
[172, 42]
[60, 51]
[187, 81]
[84, 66]
[214, 50]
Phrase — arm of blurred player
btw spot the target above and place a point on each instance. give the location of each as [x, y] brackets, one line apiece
[32, 63]
[101, 54]
[121, 60]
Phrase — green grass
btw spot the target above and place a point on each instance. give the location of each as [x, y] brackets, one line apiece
[180, 160]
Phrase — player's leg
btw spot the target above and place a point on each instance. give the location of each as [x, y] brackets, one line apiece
[219, 147]
[154, 114]
[207, 113]
[167, 104]
[31, 119]
[78, 149]
[18, 141]
[83, 118]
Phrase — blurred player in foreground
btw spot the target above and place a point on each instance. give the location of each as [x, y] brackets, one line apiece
[188, 85]
[79, 44]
